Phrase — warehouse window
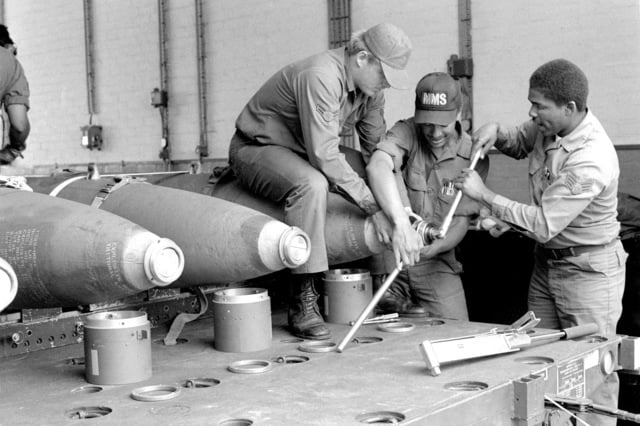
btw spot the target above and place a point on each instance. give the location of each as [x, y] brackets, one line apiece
[339, 22]
[339, 35]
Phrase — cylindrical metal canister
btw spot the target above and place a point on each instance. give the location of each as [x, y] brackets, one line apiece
[346, 293]
[117, 347]
[241, 319]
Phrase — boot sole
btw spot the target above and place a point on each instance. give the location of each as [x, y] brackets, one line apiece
[308, 337]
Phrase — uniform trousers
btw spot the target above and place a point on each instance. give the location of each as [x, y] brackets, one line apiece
[439, 292]
[581, 289]
[283, 176]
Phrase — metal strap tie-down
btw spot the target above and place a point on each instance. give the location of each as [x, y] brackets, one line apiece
[108, 189]
[171, 339]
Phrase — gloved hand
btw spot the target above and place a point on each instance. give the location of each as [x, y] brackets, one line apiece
[8, 154]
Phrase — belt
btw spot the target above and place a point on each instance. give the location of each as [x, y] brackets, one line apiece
[561, 253]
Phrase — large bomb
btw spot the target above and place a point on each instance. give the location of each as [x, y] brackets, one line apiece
[222, 241]
[349, 234]
[66, 254]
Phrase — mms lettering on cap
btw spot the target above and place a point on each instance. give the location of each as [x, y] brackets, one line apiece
[392, 47]
[438, 99]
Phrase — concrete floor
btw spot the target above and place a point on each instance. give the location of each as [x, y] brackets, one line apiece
[368, 383]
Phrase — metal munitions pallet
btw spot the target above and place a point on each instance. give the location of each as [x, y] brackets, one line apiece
[38, 329]
[379, 378]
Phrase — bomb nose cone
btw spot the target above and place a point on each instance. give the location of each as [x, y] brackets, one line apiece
[163, 262]
[8, 284]
[294, 247]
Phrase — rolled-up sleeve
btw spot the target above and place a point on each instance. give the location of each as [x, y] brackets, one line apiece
[17, 86]
[318, 99]
[397, 143]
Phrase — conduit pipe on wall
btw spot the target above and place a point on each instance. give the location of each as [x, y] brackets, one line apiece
[466, 52]
[164, 113]
[88, 54]
[203, 148]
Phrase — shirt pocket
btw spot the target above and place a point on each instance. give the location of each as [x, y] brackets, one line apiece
[539, 175]
[418, 191]
[445, 198]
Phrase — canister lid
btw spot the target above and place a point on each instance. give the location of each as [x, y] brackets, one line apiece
[240, 295]
[163, 262]
[294, 247]
[347, 274]
[8, 284]
[116, 319]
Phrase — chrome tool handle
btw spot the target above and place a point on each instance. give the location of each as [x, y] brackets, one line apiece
[367, 310]
[449, 218]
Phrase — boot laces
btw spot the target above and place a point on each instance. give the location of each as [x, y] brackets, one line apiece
[308, 298]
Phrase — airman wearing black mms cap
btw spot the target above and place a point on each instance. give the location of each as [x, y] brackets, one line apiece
[427, 151]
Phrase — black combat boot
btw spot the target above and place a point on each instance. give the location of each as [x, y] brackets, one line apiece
[305, 320]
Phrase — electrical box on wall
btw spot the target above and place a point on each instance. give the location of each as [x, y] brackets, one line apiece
[92, 137]
[158, 98]
[460, 67]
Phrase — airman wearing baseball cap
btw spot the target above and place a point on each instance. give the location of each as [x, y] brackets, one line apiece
[426, 151]
[288, 136]
[393, 48]
[438, 99]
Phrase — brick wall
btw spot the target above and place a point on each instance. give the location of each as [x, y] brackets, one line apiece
[249, 40]
[513, 37]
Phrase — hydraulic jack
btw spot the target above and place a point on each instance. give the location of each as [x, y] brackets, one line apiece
[496, 341]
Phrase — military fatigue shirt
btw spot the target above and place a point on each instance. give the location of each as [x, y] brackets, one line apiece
[429, 179]
[14, 88]
[305, 106]
[573, 183]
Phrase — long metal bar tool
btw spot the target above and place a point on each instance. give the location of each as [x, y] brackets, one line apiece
[367, 310]
[449, 217]
[426, 236]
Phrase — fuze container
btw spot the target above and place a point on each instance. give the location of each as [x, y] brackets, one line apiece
[346, 293]
[117, 347]
[241, 319]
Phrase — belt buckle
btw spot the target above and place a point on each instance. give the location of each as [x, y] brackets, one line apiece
[561, 253]
[555, 254]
